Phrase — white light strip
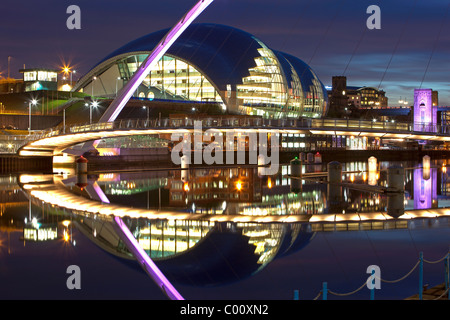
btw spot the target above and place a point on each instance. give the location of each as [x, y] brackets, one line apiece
[161, 48]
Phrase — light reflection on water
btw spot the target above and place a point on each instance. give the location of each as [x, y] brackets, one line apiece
[242, 191]
[210, 254]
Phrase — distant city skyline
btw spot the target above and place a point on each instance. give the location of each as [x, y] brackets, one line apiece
[410, 50]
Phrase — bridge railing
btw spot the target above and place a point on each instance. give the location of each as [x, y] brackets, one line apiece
[245, 122]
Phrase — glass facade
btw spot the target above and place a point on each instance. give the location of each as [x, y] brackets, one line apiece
[276, 91]
[171, 78]
[264, 91]
[217, 64]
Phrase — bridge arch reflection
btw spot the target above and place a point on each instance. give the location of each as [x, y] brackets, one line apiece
[188, 245]
[214, 254]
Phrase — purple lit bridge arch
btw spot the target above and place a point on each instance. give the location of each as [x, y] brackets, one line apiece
[124, 95]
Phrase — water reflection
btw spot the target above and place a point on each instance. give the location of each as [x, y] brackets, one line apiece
[425, 188]
[206, 252]
[202, 253]
[242, 191]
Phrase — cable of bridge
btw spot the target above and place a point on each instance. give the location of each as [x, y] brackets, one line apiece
[435, 45]
[397, 43]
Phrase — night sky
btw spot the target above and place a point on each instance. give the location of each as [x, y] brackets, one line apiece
[410, 50]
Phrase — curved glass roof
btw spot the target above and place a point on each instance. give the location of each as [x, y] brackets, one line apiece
[226, 52]
[235, 60]
[217, 50]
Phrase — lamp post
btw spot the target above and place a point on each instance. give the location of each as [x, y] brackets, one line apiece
[95, 105]
[32, 102]
[71, 81]
[118, 78]
[93, 79]
[66, 71]
[148, 110]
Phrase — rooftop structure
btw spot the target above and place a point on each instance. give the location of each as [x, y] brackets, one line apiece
[343, 96]
[40, 79]
[217, 64]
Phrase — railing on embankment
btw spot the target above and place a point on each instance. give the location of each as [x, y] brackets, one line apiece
[371, 281]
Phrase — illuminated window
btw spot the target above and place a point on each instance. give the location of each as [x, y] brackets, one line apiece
[265, 88]
[29, 76]
[42, 75]
[174, 78]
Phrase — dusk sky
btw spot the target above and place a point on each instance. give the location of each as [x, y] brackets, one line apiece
[411, 50]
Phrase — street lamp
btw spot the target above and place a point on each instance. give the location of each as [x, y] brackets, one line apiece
[401, 101]
[148, 110]
[95, 105]
[32, 102]
[118, 78]
[71, 81]
[66, 71]
[93, 79]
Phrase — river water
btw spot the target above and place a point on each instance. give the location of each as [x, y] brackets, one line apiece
[207, 259]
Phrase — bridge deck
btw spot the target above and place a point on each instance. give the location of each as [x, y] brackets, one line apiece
[54, 141]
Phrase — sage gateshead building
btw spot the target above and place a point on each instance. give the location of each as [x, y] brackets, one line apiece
[214, 64]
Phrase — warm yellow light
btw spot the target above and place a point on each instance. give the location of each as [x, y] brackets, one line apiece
[66, 223]
[66, 236]
[66, 69]
[66, 87]
[186, 186]
[239, 185]
[426, 162]
[269, 183]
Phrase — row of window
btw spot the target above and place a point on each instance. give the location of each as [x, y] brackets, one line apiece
[176, 196]
[40, 76]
